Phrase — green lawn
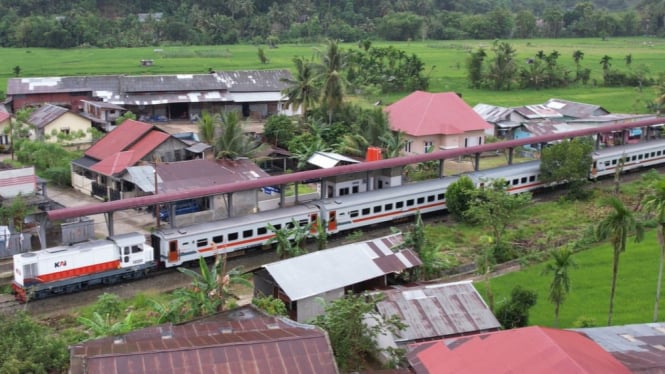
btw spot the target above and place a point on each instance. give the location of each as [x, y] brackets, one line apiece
[444, 62]
[635, 293]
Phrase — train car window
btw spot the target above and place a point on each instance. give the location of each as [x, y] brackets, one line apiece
[532, 178]
[614, 162]
[137, 249]
[515, 182]
[523, 180]
[634, 158]
[441, 196]
[658, 153]
[261, 231]
[353, 213]
[126, 250]
[247, 233]
[399, 205]
[377, 209]
[388, 207]
[365, 211]
[218, 239]
[302, 223]
[202, 242]
[409, 202]
[421, 200]
[233, 236]
[430, 198]
[639, 157]
[344, 191]
[653, 154]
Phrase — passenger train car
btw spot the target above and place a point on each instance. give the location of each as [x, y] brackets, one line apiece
[67, 269]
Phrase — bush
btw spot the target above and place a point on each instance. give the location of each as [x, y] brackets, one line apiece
[515, 312]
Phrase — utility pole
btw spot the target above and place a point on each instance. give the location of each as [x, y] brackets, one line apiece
[154, 170]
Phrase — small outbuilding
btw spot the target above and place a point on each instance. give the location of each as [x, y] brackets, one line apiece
[329, 274]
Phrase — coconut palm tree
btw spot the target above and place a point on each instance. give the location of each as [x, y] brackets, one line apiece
[393, 143]
[232, 142]
[302, 91]
[561, 262]
[207, 125]
[616, 226]
[605, 63]
[654, 202]
[331, 78]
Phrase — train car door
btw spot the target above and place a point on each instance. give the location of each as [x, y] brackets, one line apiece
[173, 251]
[314, 220]
[332, 221]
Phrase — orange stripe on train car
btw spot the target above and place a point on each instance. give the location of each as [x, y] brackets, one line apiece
[78, 272]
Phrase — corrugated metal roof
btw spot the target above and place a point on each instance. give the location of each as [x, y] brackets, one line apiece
[243, 340]
[539, 111]
[525, 350]
[119, 139]
[199, 147]
[143, 177]
[639, 346]
[330, 269]
[184, 175]
[103, 104]
[166, 98]
[46, 114]
[254, 97]
[327, 160]
[574, 109]
[24, 86]
[493, 113]
[254, 80]
[444, 113]
[438, 311]
[85, 162]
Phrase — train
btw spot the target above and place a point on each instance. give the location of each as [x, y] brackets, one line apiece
[117, 258]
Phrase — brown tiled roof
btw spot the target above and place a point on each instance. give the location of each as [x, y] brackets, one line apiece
[243, 340]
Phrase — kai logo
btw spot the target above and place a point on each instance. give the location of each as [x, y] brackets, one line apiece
[60, 264]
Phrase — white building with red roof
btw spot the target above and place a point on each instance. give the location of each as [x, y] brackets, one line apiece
[434, 121]
[5, 123]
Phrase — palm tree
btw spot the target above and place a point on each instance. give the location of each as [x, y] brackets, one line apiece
[605, 62]
[578, 56]
[393, 143]
[232, 141]
[654, 203]
[207, 125]
[616, 227]
[288, 239]
[330, 76]
[302, 91]
[561, 262]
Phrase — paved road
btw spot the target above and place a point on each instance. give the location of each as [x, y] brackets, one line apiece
[123, 221]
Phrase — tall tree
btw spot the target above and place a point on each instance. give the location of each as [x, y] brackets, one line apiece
[233, 142]
[502, 71]
[654, 202]
[207, 125]
[331, 78]
[578, 56]
[561, 260]
[302, 91]
[617, 226]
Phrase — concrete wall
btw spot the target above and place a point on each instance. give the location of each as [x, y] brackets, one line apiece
[18, 181]
[71, 122]
[311, 307]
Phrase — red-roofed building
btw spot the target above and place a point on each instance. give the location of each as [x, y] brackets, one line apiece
[101, 171]
[526, 350]
[5, 122]
[242, 340]
[433, 121]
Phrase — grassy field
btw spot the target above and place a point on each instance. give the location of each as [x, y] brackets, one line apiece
[445, 63]
[590, 286]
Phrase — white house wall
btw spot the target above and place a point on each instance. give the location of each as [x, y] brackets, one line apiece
[18, 181]
[71, 122]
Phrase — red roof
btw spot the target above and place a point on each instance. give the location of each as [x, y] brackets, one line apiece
[3, 116]
[444, 113]
[527, 350]
[119, 139]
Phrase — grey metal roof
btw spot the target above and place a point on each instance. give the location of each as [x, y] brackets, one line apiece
[18, 86]
[538, 111]
[317, 272]
[493, 113]
[254, 80]
[639, 347]
[185, 175]
[166, 98]
[438, 311]
[46, 114]
[198, 147]
[85, 162]
[143, 177]
[103, 104]
[327, 160]
[170, 83]
[575, 110]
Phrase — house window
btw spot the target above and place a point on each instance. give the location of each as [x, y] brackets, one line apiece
[428, 146]
[64, 130]
[407, 146]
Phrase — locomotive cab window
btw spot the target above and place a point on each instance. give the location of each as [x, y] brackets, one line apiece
[202, 242]
[137, 249]
[126, 250]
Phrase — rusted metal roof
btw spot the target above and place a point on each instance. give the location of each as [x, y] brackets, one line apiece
[438, 311]
[184, 175]
[525, 350]
[325, 173]
[242, 340]
[444, 113]
[118, 140]
[254, 80]
[638, 346]
[574, 109]
[26, 86]
[493, 113]
[46, 114]
[539, 111]
[317, 272]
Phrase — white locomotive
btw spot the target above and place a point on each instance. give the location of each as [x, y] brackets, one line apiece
[68, 269]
